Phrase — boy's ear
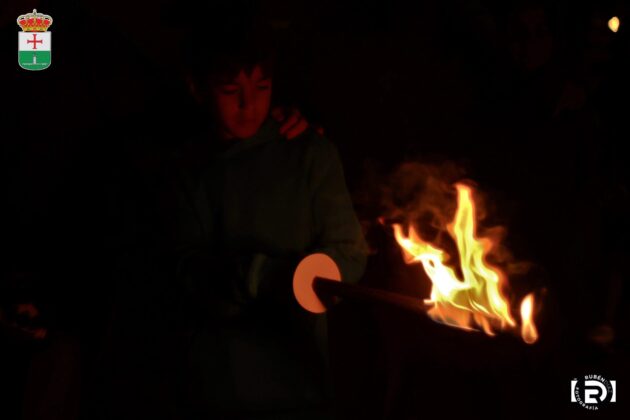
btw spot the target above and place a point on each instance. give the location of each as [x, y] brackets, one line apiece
[193, 88]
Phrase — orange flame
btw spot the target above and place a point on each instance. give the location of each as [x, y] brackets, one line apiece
[476, 301]
[528, 329]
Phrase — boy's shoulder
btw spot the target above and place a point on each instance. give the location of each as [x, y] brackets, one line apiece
[310, 143]
[315, 144]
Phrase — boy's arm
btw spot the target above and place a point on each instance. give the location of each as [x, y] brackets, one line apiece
[339, 233]
[337, 230]
[194, 252]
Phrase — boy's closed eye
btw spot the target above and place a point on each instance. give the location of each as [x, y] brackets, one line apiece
[229, 88]
[264, 84]
[233, 88]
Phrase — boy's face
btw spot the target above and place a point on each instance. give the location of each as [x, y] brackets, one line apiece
[242, 104]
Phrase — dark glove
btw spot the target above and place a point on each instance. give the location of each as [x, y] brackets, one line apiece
[270, 279]
[213, 285]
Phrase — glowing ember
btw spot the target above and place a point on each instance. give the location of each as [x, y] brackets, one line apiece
[613, 24]
[476, 301]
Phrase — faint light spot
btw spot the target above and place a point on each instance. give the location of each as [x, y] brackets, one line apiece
[613, 24]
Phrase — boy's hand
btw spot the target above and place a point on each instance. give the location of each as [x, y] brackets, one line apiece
[293, 122]
[22, 320]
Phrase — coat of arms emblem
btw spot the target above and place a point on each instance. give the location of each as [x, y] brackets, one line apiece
[34, 41]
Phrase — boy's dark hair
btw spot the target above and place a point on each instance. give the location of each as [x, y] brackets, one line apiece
[218, 53]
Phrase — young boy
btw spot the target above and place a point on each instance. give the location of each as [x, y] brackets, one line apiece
[261, 204]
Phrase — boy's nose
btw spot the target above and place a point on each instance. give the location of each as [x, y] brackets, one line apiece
[245, 100]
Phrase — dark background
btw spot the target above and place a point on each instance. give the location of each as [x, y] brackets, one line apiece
[530, 98]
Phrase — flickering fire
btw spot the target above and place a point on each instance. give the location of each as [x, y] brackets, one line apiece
[528, 329]
[476, 301]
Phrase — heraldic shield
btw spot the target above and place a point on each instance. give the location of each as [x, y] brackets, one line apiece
[34, 41]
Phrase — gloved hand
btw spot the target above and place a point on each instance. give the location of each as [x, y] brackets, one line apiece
[270, 279]
[227, 284]
[212, 285]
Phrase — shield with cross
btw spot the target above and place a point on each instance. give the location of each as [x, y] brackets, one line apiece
[34, 41]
